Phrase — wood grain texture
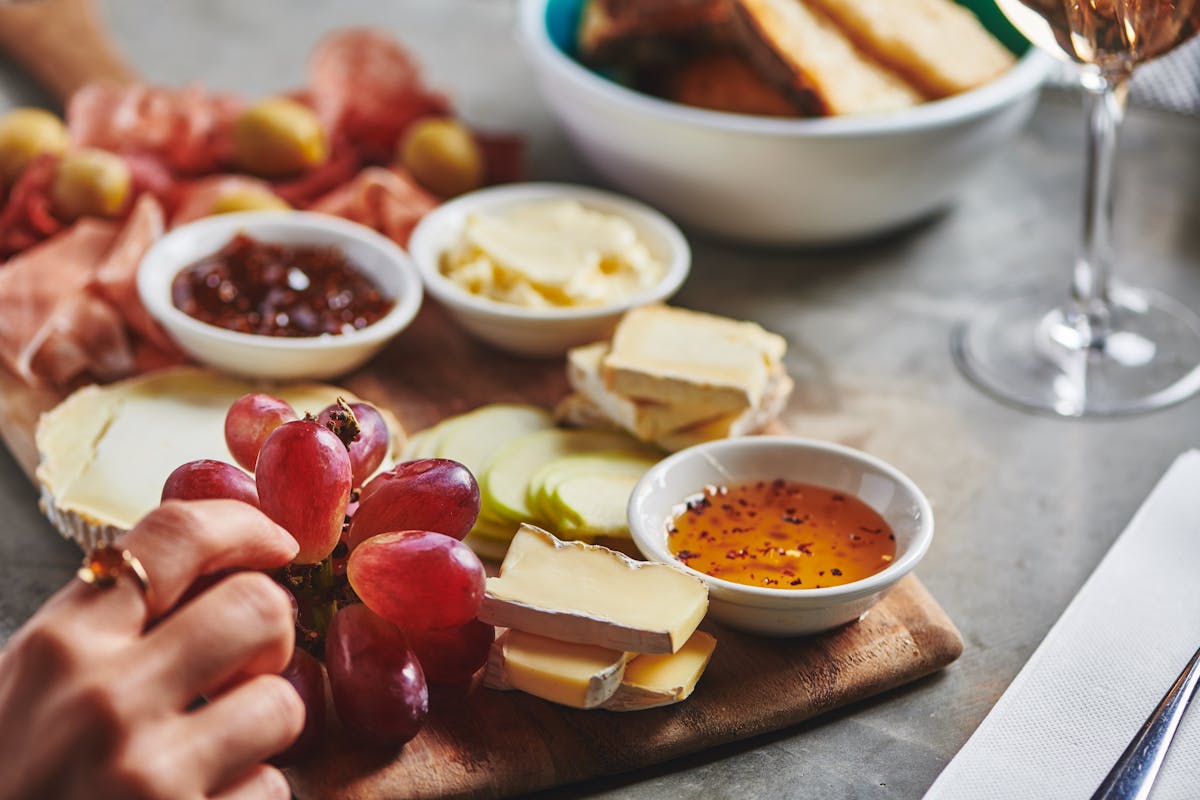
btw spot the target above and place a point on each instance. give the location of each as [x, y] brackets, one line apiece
[487, 744]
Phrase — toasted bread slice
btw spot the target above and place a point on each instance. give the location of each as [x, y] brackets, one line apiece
[650, 33]
[679, 357]
[724, 81]
[937, 45]
[805, 54]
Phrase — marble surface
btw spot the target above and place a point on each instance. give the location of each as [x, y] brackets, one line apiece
[1026, 505]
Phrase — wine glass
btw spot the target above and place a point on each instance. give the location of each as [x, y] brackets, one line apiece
[1106, 348]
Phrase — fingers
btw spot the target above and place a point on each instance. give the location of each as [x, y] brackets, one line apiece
[241, 728]
[242, 626]
[178, 542]
[260, 782]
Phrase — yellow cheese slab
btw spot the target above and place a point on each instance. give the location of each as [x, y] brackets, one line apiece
[588, 594]
[659, 680]
[571, 674]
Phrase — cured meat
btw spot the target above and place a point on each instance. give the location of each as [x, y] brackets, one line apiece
[116, 276]
[189, 128]
[84, 335]
[367, 89]
[388, 200]
[40, 288]
[343, 165]
[196, 199]
[504, 155]
[27, 218]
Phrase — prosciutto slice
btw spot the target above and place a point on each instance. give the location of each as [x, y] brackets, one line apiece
[388, 200]
[47, 307]
[190, 129]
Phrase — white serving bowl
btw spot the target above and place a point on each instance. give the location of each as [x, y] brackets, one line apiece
[777, 181]
[660, 495]
[275, 357]
[541, 332]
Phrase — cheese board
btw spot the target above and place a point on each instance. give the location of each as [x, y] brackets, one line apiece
[487, 744]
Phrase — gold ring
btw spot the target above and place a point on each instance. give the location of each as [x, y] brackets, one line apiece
[104, 565]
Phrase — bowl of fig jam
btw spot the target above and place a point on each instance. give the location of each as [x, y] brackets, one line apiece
[279, 294]
[792, 536]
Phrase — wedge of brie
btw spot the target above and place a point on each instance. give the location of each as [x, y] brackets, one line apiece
[106, 450]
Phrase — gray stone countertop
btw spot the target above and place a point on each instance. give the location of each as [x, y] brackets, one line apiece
[1026, 505]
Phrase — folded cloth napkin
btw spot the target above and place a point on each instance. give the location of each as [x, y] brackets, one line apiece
[1102, 668]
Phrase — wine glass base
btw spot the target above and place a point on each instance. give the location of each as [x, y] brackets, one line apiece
[1024, 354]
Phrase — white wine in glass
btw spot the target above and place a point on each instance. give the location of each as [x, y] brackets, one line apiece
[1104, 347]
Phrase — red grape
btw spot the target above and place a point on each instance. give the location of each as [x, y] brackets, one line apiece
[452, 655]
[378, 688]
[418, 579]
[305, 675]
[248, 423]
[371, 445]
[430, 494]
[303, 480]
[208, 479]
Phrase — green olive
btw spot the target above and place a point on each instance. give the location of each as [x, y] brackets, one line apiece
[248, 200]
[90, 182]
[443, 156]
[278, 137]
[26, 133]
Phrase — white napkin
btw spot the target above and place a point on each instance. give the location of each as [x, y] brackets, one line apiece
[1102, 668]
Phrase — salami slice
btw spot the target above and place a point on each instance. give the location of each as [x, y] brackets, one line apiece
[367, 89]
[388, 200]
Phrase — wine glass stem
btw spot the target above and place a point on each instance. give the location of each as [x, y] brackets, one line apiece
[1104, 100]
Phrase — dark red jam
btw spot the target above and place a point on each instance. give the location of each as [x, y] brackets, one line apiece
[250, 286]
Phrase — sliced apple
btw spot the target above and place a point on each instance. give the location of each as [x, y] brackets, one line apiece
[597, 503]
[477, 435]
[543, 487]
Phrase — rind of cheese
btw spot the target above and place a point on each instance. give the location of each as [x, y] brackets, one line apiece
[106, 451]
[571, 674]
[645, 419]
[676, 356]
[651, 681]
[587, 594]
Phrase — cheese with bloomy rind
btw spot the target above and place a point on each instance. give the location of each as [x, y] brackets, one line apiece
[107, 450]
[583, 593]
[572, 674]
[651, 681]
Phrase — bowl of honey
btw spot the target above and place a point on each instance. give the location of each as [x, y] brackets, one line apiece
[792, 536]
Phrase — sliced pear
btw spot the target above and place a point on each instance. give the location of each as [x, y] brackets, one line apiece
[598, 502]
[543, 485]
[477, 435]
[505, 482]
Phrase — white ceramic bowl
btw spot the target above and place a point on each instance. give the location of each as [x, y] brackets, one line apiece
[273, 357]
[659, 496]
[541, 332]
[779, 181]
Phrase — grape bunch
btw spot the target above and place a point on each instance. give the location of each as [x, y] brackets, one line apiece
[386, 592]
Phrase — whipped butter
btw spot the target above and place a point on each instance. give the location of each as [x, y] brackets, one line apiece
[552, 253]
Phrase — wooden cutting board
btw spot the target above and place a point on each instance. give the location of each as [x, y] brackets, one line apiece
[487, 744]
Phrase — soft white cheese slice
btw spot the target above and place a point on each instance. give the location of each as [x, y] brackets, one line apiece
[107, 450]
[576, 592]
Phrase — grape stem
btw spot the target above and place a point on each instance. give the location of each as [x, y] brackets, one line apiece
[343, 422]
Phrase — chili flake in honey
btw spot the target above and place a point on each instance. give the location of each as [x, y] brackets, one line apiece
[782, 535]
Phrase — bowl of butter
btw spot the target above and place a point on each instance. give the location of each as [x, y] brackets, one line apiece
[537, 268]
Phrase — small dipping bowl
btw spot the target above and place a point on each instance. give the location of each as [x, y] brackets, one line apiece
[661, 493]
[277, 357]
[542, 332]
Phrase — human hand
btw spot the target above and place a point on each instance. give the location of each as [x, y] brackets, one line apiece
[95, 705]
